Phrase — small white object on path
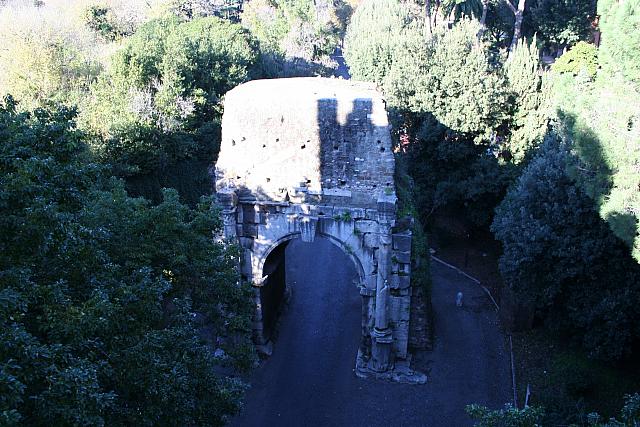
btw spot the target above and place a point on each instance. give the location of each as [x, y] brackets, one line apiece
[459, 299]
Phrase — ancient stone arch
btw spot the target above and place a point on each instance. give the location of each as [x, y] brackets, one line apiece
[309, 157]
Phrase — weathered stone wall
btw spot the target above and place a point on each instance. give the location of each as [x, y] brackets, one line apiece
[324, 137]
[311, 156]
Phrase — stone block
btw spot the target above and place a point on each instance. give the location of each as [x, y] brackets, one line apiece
[366, 226]
[250, 230]
[367, 292]
[246, 242]
[325, 211]
[400, 281]
[403, 269]
[387, 204]
[227, 198]
[357, 213]
[402, 242]
[248, 214]
[370, 240]
[401, 257]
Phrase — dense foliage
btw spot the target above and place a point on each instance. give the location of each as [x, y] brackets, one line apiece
[296, 37]
[160, 98]
[476, 118]
[451, 77]
[103, 295]
[60, 70]
[546, 223]
[561, 22]
[582, 58]
[371, 53]
[508, 417]
[531, 416]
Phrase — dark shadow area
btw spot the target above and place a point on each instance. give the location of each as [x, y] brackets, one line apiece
[272, 292]
[585, 284]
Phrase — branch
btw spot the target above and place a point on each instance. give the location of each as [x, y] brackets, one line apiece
[511, 6]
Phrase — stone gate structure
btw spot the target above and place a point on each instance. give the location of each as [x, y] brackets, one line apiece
[307, 157]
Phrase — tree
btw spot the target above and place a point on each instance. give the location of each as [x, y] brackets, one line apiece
[518, 14]
[103, 296]
[620, 24]
[451, 77]
[557, 254]
[603, 119]
[530, 98]
[561, 23]
[45, 58]
[300, 30]
[581, 58]
[370, 54]
[160, 102]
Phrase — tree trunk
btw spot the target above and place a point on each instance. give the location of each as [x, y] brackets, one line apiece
[434, 16]
[427, 15]
[483, 18]
[518, 13]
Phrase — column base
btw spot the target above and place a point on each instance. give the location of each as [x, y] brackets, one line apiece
[400, 372]
[381, 341]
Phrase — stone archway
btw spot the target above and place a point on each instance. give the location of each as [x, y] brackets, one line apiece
[311, 156]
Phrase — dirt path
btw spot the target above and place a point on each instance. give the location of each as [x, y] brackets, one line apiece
[309, 380]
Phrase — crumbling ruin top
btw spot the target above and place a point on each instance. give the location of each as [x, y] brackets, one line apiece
[306, 139]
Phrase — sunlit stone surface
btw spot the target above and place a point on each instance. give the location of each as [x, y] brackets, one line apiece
[311, 156]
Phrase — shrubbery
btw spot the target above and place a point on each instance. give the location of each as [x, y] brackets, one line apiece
[562, 259]
[103, 295]
[581, 58]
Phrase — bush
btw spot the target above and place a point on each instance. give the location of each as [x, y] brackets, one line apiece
[557, 257]
[581, 58]
[103, 296]
[46, 57]
[164, 87]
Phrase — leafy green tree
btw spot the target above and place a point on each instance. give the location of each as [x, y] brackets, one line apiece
[604, 123]
[557, 254]
[561, 22]
[190, 9]
[620, 24]
[102, 20]
[43, 61]
[530, 100]
[296, 30]
[581, 58]
[104, 297]
[451, 77]
[370, 54]
[160, 102]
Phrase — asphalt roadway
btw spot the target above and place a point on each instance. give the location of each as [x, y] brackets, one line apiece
[309, 380]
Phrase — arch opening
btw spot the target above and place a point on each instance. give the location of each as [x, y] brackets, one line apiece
[297, 272]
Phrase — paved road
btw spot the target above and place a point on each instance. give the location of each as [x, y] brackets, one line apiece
[342, 70]
[309, 380]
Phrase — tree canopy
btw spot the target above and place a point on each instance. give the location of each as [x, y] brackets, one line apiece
[103, 294]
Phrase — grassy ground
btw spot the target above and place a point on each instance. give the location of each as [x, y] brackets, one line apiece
[566, 382]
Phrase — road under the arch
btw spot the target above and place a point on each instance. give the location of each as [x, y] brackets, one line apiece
[309, 379]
